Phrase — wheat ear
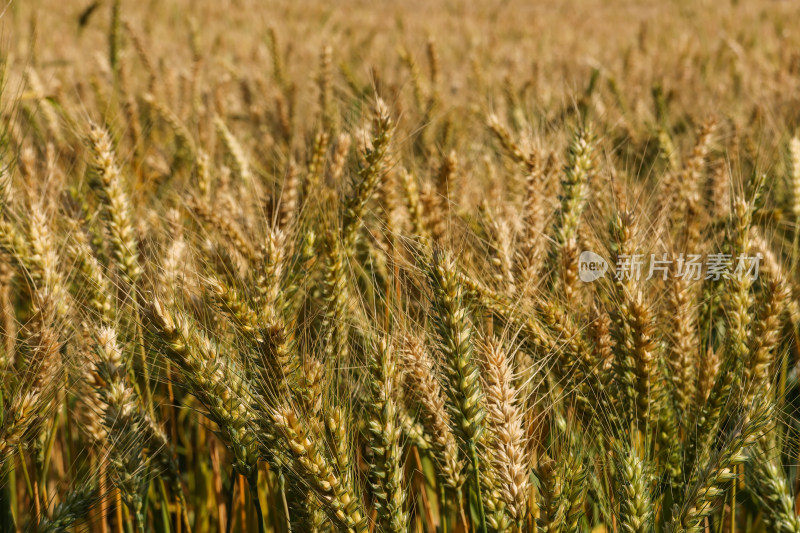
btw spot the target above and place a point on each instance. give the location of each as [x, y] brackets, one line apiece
[454, 336]
[506, 438]
[422, 373]
[337, 498]
[385, 458]
[117, 206]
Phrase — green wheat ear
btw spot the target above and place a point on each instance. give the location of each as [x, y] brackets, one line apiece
[385, 458]
[635, 491]
[74, 507]
[454, 337]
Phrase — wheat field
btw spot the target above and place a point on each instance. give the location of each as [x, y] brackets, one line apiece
[447, 266]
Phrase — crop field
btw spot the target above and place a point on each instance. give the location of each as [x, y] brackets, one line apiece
[387, 267]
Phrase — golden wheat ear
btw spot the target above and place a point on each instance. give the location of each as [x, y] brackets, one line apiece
[506, 438]
[335, 495]
[117, 208]
[424, 375]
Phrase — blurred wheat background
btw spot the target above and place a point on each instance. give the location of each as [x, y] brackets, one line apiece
[312, 267]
